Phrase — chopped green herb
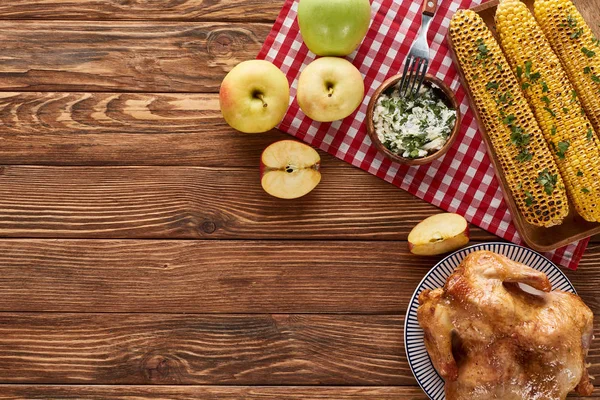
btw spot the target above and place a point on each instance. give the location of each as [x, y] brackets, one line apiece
[579, 173]
[482, 49]
[518, 138]
[590, 134]
[534, 77]
[546, 100]
[562, 149]
[553, 130]
[528, 68]
[524, 156]
[550, 111]
[406, 132]
[596, 78]
[519, 71]
[565, 110]
[491, 85]
[573, 95]
[544, 87]
[577, 33]
[571, 21]
[525, 86]
[509, 120]
[499, 66]
[587, 52]
[475, 77]
[529, 200]
[585, 190]
[547, 181]
[587, 70]
[505, 98]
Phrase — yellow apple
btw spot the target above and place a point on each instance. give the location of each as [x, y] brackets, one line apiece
[439, 234]
[329, 89]
[254, 96]
[289, 169]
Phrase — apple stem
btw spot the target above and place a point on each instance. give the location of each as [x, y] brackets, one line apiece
[261, 97]
[330, 91]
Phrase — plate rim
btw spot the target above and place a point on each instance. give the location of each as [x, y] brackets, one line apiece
[435, 266]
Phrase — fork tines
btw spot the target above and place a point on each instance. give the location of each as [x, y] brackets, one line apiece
[413, 75]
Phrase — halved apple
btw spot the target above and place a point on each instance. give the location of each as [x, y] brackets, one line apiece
[439, 234]
[289, 169]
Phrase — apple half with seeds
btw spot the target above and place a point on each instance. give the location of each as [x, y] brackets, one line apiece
[289, 169]
[439, 234]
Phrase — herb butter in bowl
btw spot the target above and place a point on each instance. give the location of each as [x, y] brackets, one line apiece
[409, 130]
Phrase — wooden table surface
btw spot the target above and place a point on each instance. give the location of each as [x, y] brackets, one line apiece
[139, 256]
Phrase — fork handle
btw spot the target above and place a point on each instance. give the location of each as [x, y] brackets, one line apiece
[429, 7]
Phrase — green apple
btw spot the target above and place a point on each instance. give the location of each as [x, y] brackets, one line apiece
[333, 27]
[254, 96]
[330, 88]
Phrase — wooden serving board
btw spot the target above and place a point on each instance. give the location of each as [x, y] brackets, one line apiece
[573, 227]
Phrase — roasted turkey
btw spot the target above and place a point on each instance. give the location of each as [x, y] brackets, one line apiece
[490, 339]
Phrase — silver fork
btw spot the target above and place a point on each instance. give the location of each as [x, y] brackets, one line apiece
[417, 61]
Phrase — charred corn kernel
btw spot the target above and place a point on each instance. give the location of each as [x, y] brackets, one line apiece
[577, 48]
[555, 104]
[529, 169]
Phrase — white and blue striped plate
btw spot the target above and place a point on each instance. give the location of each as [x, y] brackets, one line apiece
[418, 359]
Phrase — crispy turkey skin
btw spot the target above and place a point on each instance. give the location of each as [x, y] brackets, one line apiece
[489, 339]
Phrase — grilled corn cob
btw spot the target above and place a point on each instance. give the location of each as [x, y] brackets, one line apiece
[555, 105]
[577, 48]
[529, 169]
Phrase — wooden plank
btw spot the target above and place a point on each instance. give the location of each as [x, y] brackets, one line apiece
[189, 202]
[65, 392]
[76, 128]
[223, 277]
[47, 392]
[123, 129]
[198, 349]
[217, 10]
[179, 10]
[279, 349]
[207, 276]
[123, 56]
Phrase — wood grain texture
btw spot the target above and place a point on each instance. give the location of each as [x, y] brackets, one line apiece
[223, 277]
[123, 129]
[45, 392]
[164, 10]
[77, 128]
[188, 202]
[66, 392]
[208, 276]
[199, 349]
[200, 10]
[123, 56]
[279, 349]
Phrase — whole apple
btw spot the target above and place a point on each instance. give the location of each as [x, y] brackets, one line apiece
[254, 96]
[329, 89]
[333, 27]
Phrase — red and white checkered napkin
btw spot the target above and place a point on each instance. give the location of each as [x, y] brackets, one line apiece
[462, 181]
